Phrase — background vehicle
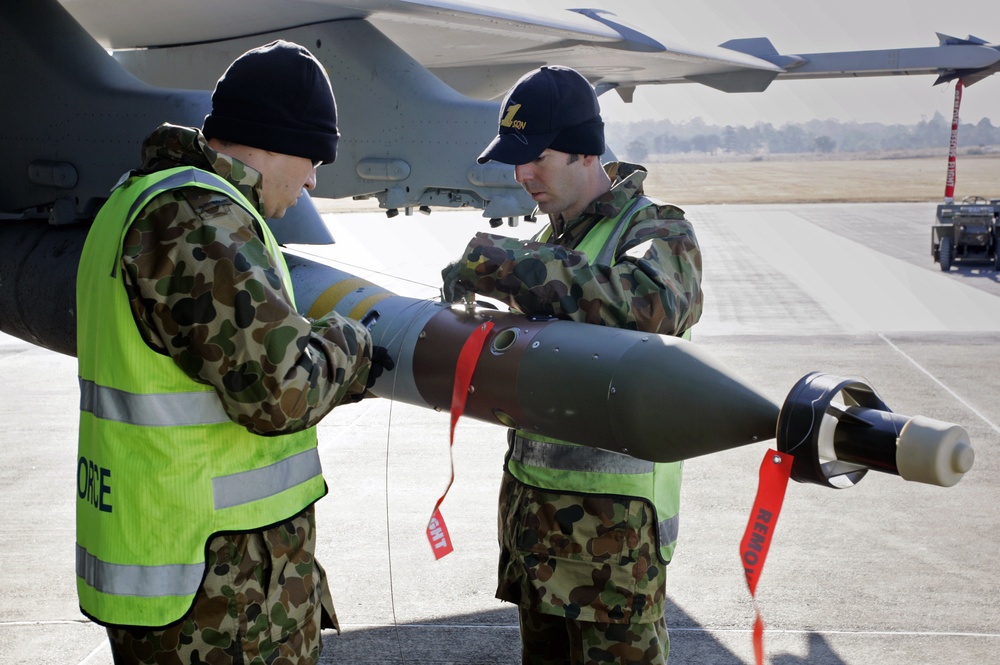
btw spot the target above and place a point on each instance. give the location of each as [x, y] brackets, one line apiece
[967, 231]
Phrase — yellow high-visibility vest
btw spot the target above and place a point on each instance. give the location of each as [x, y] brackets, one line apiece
[161, 467]
[561, 466]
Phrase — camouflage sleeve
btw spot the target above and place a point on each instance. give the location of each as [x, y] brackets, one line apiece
[205, 291]
[654, 285]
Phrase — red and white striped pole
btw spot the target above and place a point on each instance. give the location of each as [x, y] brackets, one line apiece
[949, 187]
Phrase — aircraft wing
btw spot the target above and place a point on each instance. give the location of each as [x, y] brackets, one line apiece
[481, 50]
[417, 84]
[477, 50]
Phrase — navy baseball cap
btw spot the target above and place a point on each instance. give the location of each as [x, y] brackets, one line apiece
[550, 107]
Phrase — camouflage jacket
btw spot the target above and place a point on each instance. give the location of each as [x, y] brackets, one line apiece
[653, 286]
[204, 290]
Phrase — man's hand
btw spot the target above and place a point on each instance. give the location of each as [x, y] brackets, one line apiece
[381, 362]
[452, 288]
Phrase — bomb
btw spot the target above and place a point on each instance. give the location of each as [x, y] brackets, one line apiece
[652, 397]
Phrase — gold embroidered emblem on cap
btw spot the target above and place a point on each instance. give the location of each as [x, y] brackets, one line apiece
[508, 120]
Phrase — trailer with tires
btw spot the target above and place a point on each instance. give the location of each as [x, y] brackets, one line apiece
[967, 232]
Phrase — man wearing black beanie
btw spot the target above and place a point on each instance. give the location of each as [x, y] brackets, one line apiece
[201, 385]
[585, 534]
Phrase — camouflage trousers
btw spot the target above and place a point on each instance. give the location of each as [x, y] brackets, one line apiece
[553, 640]
[264, 600]
[585, 574]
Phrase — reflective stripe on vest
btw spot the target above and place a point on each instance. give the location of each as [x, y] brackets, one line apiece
[560, 457]
[669, 528]
[158, 471]
[185, 177]
[570, 457]
[248, 486]
[160, 410]
[143, 581]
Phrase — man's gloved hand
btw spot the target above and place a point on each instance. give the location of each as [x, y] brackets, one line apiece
[453, 289]
[381, 362]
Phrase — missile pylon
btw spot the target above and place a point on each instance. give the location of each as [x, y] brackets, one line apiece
[657, 398]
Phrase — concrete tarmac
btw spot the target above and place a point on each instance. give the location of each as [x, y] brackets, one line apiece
[887, 572]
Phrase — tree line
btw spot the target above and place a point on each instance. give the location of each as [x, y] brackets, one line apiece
[651, 137]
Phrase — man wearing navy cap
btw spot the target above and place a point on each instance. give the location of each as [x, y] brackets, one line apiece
[585, 534]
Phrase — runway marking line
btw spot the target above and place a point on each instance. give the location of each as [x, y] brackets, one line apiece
[936, 380]
[789, 631]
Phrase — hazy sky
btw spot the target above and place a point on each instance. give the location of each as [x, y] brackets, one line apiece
[804, 26]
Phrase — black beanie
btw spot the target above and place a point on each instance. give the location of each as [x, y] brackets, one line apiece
[276, 97]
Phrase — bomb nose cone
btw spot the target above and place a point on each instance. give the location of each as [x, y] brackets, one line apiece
[680, 402]
[934, 452]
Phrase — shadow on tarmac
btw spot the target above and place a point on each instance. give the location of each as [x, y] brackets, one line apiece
[819, 651]
[978, 270]
[491, 638]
